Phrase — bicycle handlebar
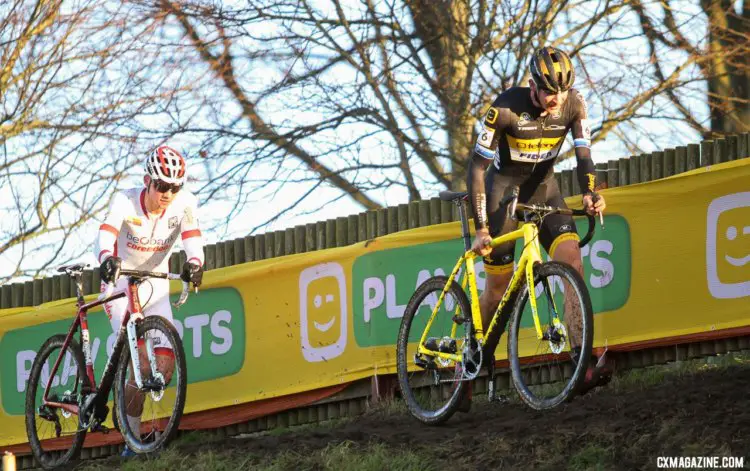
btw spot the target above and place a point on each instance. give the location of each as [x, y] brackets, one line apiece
[147, 274]
[540, 208]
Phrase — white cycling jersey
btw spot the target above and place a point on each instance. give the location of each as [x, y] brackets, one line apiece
[144, 242]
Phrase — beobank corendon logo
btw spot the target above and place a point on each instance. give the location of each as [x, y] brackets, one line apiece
[148, 244]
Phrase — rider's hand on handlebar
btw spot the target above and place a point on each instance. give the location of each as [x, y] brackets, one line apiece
[110, 269]
[192, 273]
[482, 242]
[594, 203]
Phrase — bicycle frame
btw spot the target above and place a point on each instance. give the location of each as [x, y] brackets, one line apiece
[110, 368]
[530, 255]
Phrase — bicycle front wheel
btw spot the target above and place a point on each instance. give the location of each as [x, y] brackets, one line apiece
[54, 433]
[432, 387]
[547, 371]
[148, 417]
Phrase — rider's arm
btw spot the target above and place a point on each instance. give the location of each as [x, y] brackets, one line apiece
[582, 139]
[484, 152]
[192, 239]
[106, 240]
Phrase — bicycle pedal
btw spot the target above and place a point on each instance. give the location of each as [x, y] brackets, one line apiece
[425, 363]
[100, 428]
[459, 320]
[498, 399]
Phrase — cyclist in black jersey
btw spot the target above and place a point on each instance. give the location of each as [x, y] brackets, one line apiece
[518, 145]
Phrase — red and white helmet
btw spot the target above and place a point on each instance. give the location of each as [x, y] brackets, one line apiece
[166, 164]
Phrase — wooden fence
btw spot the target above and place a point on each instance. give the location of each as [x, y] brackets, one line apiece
[375, 223]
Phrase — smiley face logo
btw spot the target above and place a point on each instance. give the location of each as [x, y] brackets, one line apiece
[728, 246]
[323, 312]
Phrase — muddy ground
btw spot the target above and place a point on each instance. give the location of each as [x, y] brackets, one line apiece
[625, 425]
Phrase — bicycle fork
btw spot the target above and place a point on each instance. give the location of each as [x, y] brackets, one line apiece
[133, 345]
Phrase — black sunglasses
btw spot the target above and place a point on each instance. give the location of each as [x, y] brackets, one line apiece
[163, 187]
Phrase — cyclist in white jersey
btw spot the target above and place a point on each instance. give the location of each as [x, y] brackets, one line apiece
[138, 234]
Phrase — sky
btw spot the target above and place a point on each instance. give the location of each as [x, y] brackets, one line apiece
[269, 200]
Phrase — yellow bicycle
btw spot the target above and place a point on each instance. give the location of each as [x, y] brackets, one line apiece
[442, 345]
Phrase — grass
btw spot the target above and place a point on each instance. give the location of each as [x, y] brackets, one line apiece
[643, 378]
[334, 457]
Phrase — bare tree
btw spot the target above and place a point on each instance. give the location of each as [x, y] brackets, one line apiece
[368, 97]
[77, 88]
[720, 53]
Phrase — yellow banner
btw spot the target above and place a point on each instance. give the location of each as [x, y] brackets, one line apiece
[673, 259]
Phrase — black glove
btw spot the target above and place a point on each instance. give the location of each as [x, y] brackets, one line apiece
[110, 269]
[192, 273]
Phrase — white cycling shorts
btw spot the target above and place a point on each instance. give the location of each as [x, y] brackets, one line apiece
[154, 296]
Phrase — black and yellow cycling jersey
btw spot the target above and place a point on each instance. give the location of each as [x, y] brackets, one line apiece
[523, 146]
[514, 132]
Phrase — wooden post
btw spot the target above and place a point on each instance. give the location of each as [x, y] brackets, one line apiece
[311, 237]
[601, 173]
[6, 300]
[239, 250]
[424, 213]
[86, 279]
[720, 150]
[742, 148]
[65, 283]
[413, 214]
[352, 223]
[669, 162]
[613, 174]
[446, 211]
[382, 222]
[56, 288]
[320, 231]
[680, 159]
[36, 298]
[330, 233]
[392, 218]
[342, 231]
[249, 243]
[623, 172]
[707, 153]
[657, 165]
[732, 147]
[47, 289]
[289, 241]
[28, 293]
[269, 244]
[362, 227]
[373, 222]
[300, 240]
[371, 227]
[279, 243]
[435, 211]
[174, 261]
[210, 251]
[693, 156]
[634, 169]
[645, 165]
[320, 235]
[220, 263]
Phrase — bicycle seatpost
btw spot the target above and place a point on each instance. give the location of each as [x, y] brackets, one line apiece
[464, 224]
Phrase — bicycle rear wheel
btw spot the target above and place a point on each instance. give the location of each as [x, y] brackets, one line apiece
[160, 402]
[432, 387]
[548, 371]
[53, 433]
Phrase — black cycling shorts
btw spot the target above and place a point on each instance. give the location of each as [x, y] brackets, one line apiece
[555, 228]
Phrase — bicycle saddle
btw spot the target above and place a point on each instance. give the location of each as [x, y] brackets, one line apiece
[75, 268]
[453, 195]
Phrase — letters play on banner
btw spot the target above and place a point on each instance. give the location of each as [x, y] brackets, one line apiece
[673, 259]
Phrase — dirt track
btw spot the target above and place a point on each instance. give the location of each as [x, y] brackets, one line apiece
[622, 426]
[627, 427]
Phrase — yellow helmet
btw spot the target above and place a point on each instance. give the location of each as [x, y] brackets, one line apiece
[552, 70]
